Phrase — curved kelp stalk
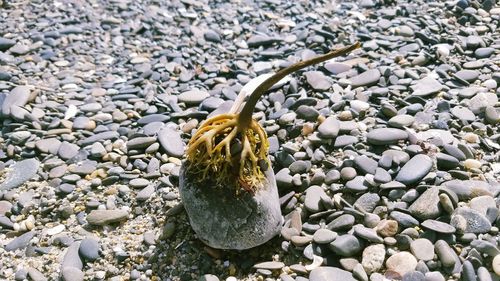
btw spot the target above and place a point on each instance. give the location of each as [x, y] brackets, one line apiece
[232, 148]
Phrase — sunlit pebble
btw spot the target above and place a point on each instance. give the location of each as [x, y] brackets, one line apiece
[471, 138]
[472, 164]
[307, 129]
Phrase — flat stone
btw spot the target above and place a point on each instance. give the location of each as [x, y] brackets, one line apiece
[171, 141]
[384, 136]
[6, 44]
[193, 97]
[50, 145]
[329, 129]
[358, 184]
[317, 80]
[18, 96]
[103, 217]
[463, 113]
[426, 86]
[445, 254]
[469, 221]
[327, 273]
[312, 201]
[343, 222]
[346, 245]
[72, 274]
[324, 236]
[20, 173]
[367, 78]
[36, 275]
[467, 75]
[427, 205]
[400, 121]
[365, 164]
[422, 249]
[337, 67]
[67, 150]
[108, 135]
[438, 226]
[271, 265]
[20, 242]
[482, 203]
[401, 263]
[89, 249]
[140, 142]
[72, 258]
[367, 202]
[415, 169]
[373, 258]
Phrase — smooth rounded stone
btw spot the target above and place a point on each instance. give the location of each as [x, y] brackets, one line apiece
[454, 151]
[108, 135]
[358, 184]
[438, 226]
[445, 253]
[66, 188]
[36, 275]
[367, 78]
[300, 167]
[72, 258]
[359, 106]
[485, 247]
[6, 44]
[327, 273]
[426, 86]
[400, 121]
[89, 249]
[343, 222]
[307, 113]
[385, 136]
[367, 202]
[270, 265]
[467, 220]
[467, 75]
[20, 242]
[422, 249]
[401, 263]
[482, 203]
[382, 176]
[21, 274]
[5, 207]
[368, 234]
[365, 164]
[140, 142]
[151, 129]
[446, 162]
[463, 113]
[337, 67]
[482, 53]
[20, 173]
[145, 193]
[344, 140]
[468, 272]
[139, 183]
[348, 173]
[387, 228]
[496, 264]
[18, 97]
[313, 197]
[483, 274]
[242, 222]
[415, 169]
[317, 80]
[171, 142]
[414, 276]
[193, 97]
[324, 236]
[403, 219]
[332, 176]
[427, 205]
[346, 245]
[68, 150]
[434, 276]
[72, 274]
[208, 277]
[104, 217]
[373, 258]
[329, 129]
[491, 115]
[50, 145]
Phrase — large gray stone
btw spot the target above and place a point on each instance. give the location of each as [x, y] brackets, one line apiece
[224, 220]
[326, 273]
[19, 96]
[20, 172]
[415, 169]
